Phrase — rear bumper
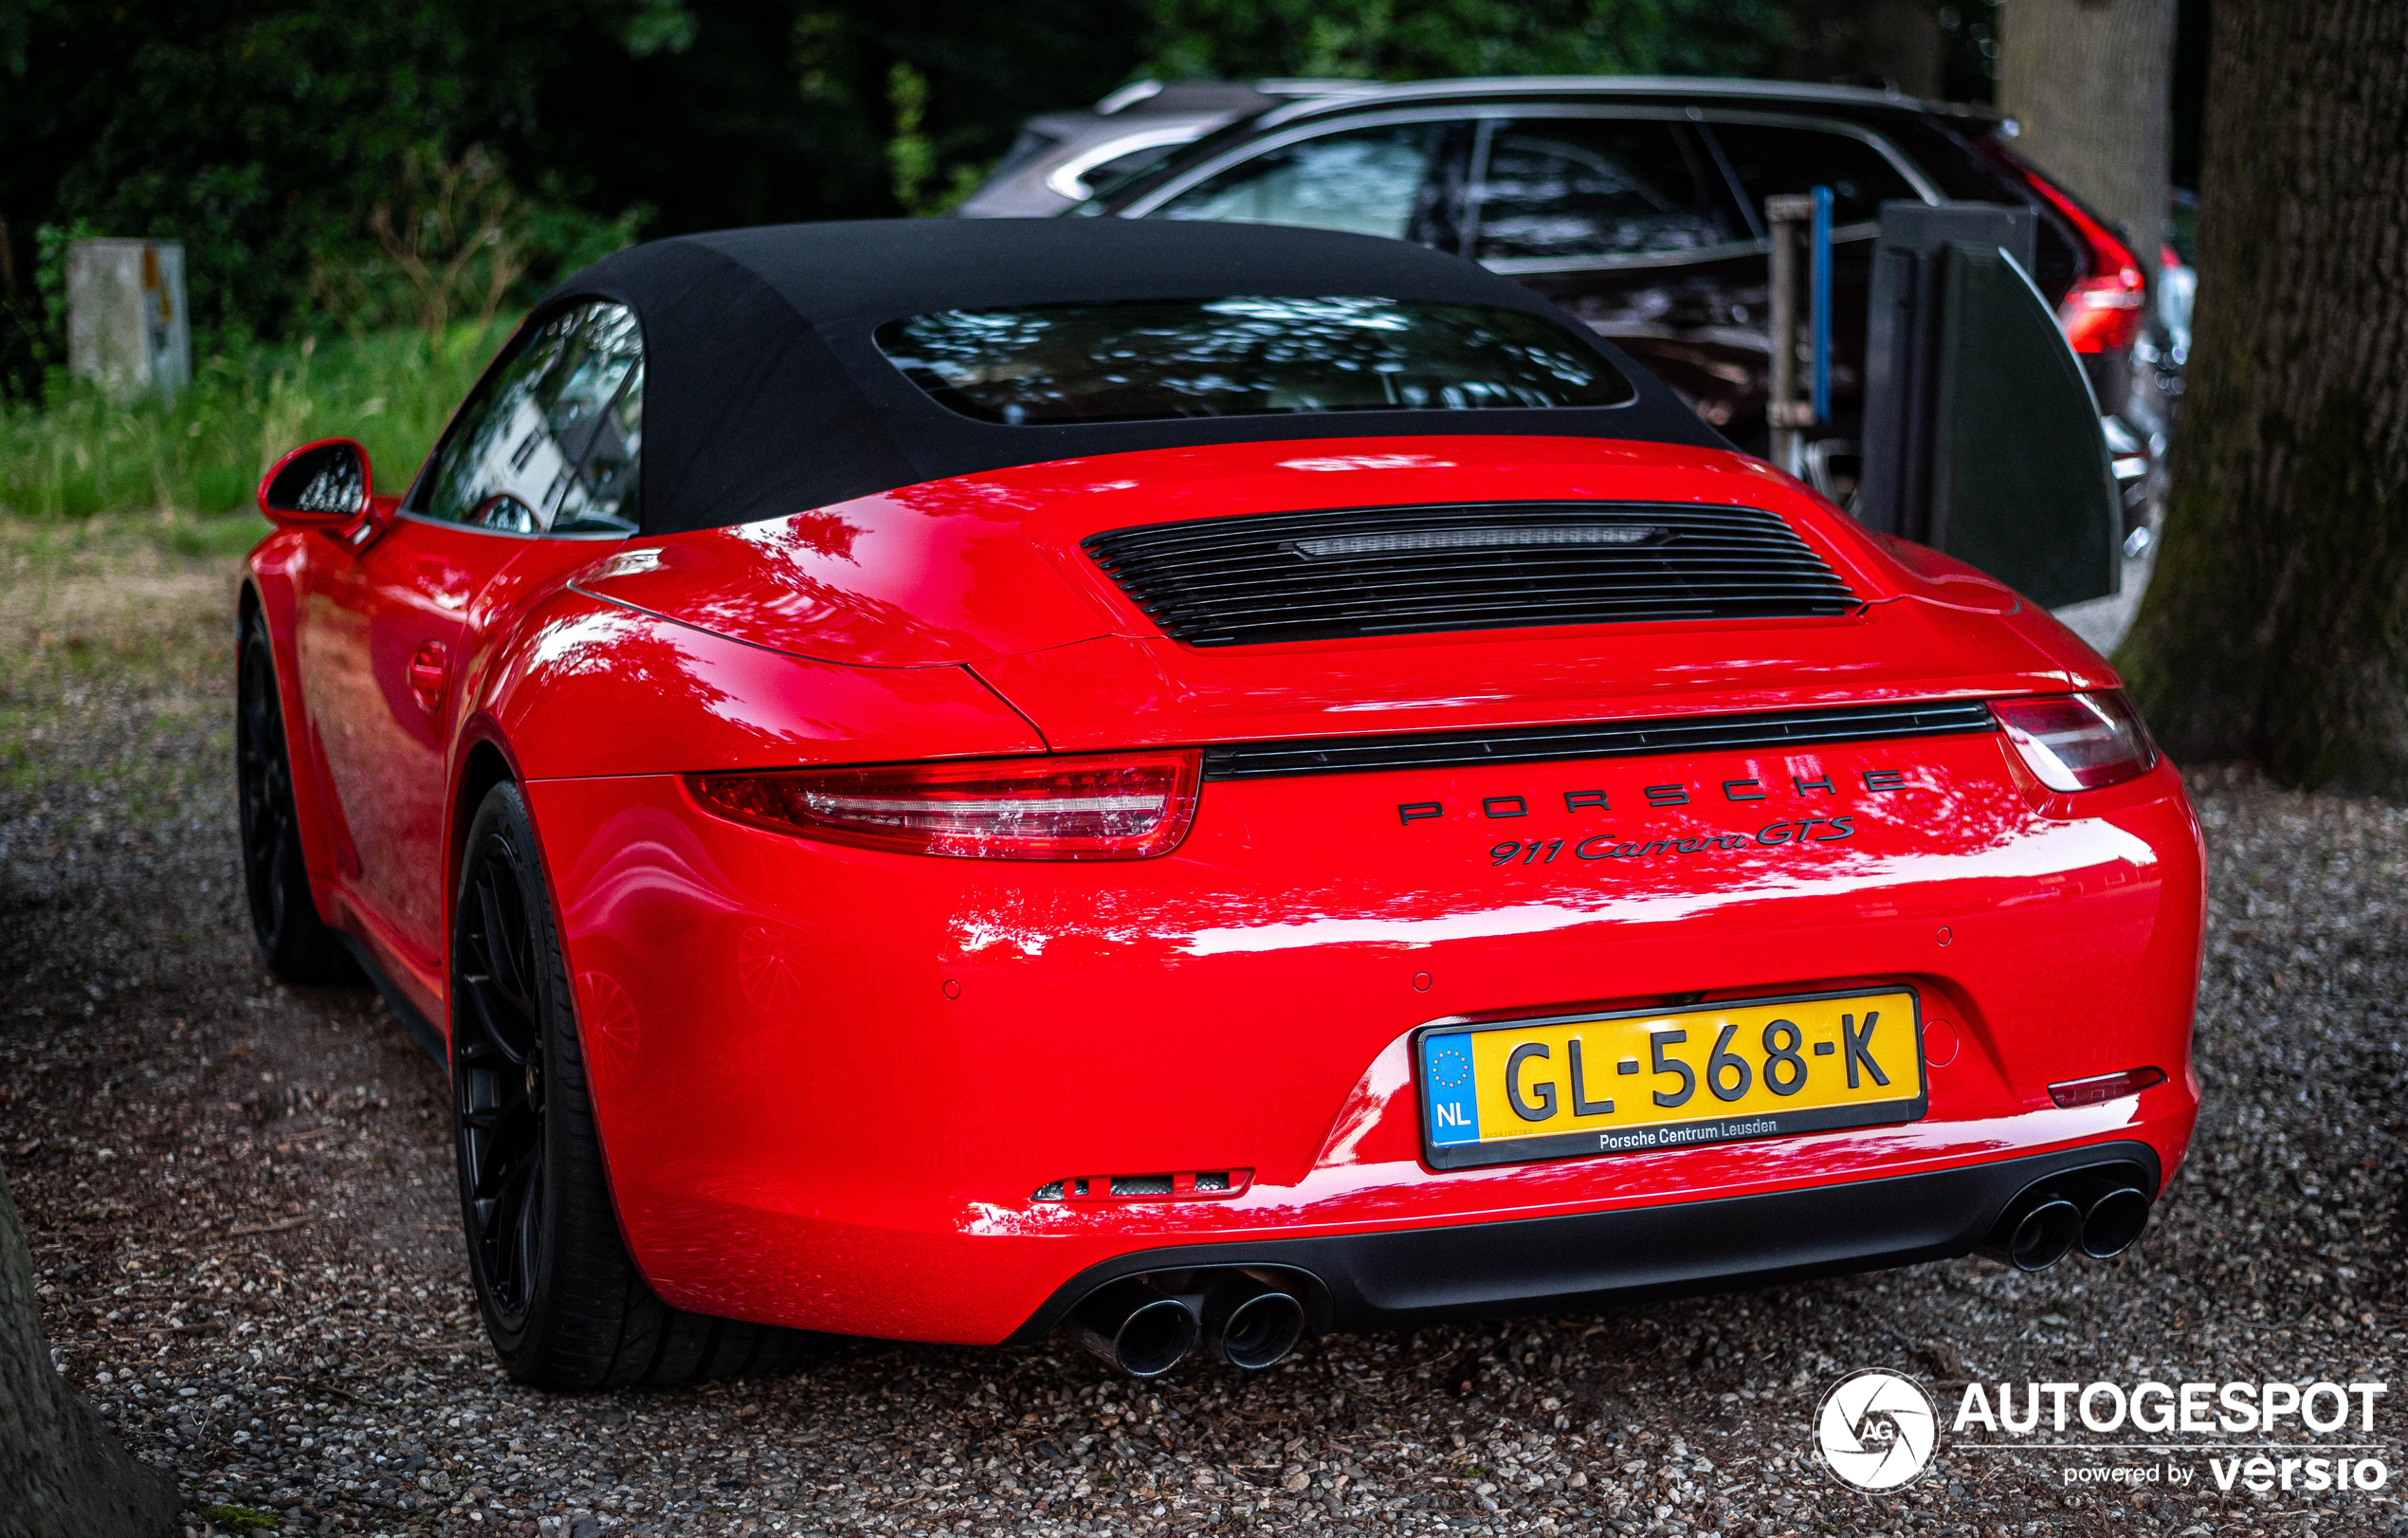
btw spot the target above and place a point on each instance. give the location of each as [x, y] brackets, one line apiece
[1400, 1279]
[829, 1082]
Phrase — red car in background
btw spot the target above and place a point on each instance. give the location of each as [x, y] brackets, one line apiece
[1202, 782]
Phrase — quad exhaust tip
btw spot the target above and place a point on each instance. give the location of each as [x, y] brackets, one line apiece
[2113, 1222]
[1135, 1326]
[2039, 1235]
[1147, 1324]
[1251, 1324]
[2102, 1212]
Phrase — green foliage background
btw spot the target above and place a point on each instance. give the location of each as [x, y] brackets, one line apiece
[263, 133]
[387, 183]
[1384, 40]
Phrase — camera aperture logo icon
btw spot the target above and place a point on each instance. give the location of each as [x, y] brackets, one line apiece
[1876, 1429]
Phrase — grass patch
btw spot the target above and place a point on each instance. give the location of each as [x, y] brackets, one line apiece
[240, 1518]
[202, 456]
[114, 650]
[46, 543]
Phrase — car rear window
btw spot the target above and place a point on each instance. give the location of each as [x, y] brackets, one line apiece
[1244, 357]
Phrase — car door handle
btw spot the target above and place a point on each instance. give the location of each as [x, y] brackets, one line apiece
[430, 671]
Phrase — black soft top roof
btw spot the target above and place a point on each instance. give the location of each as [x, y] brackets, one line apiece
[765, 394]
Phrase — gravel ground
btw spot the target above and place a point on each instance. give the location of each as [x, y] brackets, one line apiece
[239, 1202]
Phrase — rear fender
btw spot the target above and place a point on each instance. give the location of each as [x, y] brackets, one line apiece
[586, 686]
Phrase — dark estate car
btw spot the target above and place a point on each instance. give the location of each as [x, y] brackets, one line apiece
[1638, 204]
[1061, 157]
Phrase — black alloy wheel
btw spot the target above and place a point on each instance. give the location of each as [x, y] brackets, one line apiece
[293, 939]
[497, 1080]
[562, 1301]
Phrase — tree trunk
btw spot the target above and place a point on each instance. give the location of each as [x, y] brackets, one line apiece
[2091, 83]
[2275, 627]
[63, 1474]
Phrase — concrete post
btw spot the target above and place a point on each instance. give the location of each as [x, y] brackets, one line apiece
[128, 329]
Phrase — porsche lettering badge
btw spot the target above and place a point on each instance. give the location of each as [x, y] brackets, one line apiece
[1576, 803]
[1796, 832]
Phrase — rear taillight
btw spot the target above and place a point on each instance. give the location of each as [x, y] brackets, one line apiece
[2103, 310]
[2078, 741]
[2103, 315]
[1098, 807]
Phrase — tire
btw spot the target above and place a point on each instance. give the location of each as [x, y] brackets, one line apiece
[563, 1303]
[293, 939]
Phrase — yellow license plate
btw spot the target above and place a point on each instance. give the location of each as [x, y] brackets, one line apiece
[1638, 1082]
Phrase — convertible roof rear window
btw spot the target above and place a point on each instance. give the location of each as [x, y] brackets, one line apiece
[771, 355]
[1244, 355]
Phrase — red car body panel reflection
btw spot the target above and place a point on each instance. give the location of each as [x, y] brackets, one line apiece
[829, 1079]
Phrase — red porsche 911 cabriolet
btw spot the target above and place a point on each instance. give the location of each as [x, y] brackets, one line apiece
[1198, 783]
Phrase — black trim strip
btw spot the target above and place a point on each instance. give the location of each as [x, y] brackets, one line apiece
[1597, 740]
[420, 1029]
[1398, 1278]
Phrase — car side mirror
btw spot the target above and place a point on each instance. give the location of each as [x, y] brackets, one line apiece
[1982, 438]
[318, 485]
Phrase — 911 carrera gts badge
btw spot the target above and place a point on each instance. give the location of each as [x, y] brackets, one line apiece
[1607, 846]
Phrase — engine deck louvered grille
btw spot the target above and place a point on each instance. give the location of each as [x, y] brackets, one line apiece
[1402, 570]
[1601, 740]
